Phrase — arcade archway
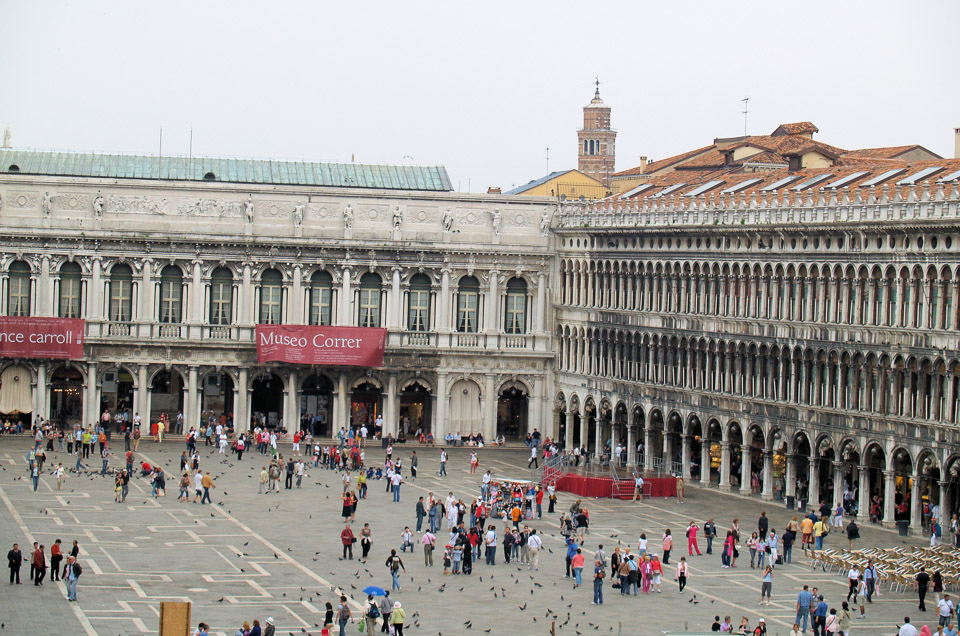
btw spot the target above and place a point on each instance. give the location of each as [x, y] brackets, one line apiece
[512, 412]
[415, 409]
[366, 403]
[267, 400]
[66, 396]
[316, 400]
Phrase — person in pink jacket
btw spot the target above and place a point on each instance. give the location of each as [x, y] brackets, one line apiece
[692, 538]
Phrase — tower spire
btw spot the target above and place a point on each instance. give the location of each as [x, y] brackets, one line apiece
[596, 80]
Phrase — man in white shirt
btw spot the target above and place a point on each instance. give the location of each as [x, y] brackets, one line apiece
[346, 481]
[637, 486]
[443, 464]
[396, 480]
[945, 609]
[533, 457]
[534, 543]
[197, 486]
[907, 629]
[485, 488]
[490, 541]
[363, 435]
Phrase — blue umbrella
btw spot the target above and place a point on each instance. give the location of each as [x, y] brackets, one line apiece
[373, 590]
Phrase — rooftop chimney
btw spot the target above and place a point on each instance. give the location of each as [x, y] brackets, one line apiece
[493, 190]
[643, 164]
[956, 143]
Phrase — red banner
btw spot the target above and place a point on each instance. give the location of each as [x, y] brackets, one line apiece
[345, 346]
[41, 338]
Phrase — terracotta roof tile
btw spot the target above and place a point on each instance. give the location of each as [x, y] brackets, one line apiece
[798, 128]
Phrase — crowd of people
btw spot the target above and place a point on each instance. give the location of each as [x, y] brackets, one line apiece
[496, 524]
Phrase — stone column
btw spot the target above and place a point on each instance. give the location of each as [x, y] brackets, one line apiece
[685, 450]
[391, 409]
[396, 302]
[292, 417]
[944, 498]
[631, 446]
[598, 437]
[767, 492]
[541, 301]
[95, 292]
[536, 409]
[916, 520]
[42, 403]
[191, 406]
[295, 315]
[245, 299]
[837, 483]
[90, 403]
[704, 461]
[746, 470]
[147, 313]
[863, 498]
[492, 319]
[443, 402]
[241, 417]
[647, 449]
[346, 301]
[583, 430]
[725, 466]
[443, 317]
[490, 408]
[45, 302]
[141, 403]
[814, 482]
[889, 485]
[342, 419]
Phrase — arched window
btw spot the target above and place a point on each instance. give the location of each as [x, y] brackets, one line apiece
[18, 289]
[516, 307]
[171, 294]
[368, 309]
[418, 302]
[121, 293]
[69, 291]
[221, 297]
[321, 298]
[468, 302]
[271, 293]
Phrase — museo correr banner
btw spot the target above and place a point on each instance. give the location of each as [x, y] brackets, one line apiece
[34, 337]
[344, 346]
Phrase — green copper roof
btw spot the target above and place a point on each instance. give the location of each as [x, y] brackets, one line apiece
[344, 175]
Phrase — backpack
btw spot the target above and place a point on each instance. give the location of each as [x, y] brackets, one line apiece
[394, 564]
[373, 612]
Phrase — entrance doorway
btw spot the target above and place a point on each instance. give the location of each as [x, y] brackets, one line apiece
[66, 397]
[116, 392]
[217, 397]
[366, 402]
[415, 410]
[316, 398]
[267, 401]
[512, 412]
[166, 396]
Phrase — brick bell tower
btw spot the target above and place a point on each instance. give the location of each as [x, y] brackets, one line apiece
[596, 140]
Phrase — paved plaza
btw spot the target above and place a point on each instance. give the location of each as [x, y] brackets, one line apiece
[252, 556]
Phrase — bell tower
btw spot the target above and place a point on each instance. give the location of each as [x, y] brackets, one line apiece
[596, 141]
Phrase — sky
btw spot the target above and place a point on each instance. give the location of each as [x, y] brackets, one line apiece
[482, 88]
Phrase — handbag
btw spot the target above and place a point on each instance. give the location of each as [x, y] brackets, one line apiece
[362, 625]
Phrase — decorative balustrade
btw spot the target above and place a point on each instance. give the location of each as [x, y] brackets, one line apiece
[118, 329]
[927, 201]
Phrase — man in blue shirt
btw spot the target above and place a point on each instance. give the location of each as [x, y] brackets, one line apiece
[803, 607]
[821, 618]
[571, 552]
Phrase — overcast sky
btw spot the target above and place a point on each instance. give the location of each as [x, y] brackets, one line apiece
[482, 88]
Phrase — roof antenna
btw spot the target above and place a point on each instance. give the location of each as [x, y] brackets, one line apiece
[746, 111]
[191, 143]
[548, 159]
[6, 137]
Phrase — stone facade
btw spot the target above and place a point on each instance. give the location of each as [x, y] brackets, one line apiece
[172, 277]
[805, 337]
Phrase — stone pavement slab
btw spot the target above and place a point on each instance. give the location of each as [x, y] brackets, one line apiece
[253, 556]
